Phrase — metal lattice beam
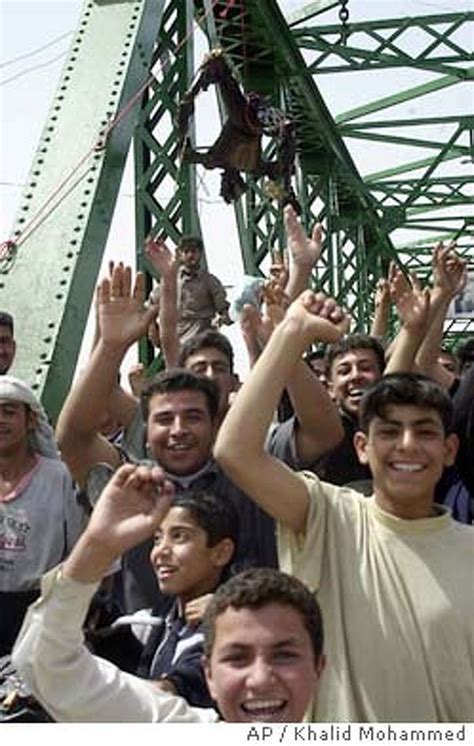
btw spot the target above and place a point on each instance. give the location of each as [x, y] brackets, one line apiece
[66, 208]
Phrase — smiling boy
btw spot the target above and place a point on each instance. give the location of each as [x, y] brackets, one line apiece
[393, 572]
[192, 550]
[263, 630]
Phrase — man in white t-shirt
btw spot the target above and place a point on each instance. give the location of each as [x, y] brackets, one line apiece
[392, 572]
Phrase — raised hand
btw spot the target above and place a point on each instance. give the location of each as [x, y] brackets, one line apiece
[319, 317]
[382, 293]
[161, 257]
[305, 251]
[194, 610]
[279, 272]
[136, 379]
[449, 270]
[122, 315]
[130, 508]
[411, 302]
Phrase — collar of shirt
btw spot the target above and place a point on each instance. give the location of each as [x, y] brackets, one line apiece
[187, 273]
[188, 479]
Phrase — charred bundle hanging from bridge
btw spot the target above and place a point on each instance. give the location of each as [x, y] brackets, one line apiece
[238, 149]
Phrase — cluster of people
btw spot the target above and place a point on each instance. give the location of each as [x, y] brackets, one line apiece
[179, 547]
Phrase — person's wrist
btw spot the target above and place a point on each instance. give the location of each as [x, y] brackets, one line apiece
[303, 263]
[440, 295]
[115, 348]
[300, 334]
[89, 560]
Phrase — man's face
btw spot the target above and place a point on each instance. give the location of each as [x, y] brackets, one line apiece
[214, 364]
[15, 422]
[262, 667]
[180, 431]
[7, 349]
[351, 374]
[190, 257]
[406, 450]
[184, 564]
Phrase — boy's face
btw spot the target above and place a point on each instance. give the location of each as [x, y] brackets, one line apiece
[184, 564]
[189, 256]
[406, 450]
[214, 364]
[351, 374]
[180, 431]
[262, 667]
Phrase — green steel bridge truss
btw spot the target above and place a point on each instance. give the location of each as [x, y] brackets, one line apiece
[128, 90]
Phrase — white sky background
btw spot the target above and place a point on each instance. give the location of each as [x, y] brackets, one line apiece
[26, 25]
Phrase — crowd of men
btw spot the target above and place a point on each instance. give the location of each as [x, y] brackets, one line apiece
[180, 547]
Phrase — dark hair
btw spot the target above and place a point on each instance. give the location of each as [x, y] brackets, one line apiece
[465, 353]
[6, 319]
[412, 389]
[317, 354]
[188, 242]
[177, 379]
[217, 516]
[355, 342]
[257, 587]
[201, 341]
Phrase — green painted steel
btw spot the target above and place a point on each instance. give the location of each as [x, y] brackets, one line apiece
[428, 197]
[50, 283]
[152, 42]
[165, 203]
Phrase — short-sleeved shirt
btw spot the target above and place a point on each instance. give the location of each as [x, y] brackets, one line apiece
[39, 525]
[397, 598]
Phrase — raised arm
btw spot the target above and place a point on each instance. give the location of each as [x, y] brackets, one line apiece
[267, 480]
[128, 512]
[318, 425]
[449, 277]
[382, 302]
[166, 265]
[50, 653]
[304, 251]
[412, 305]
[123, 319]
[221, 304]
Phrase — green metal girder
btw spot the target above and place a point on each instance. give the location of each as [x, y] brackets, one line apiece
[311, 10]
[261, 50]
[409, 94]
[389, 52]
[165, 202]
[322, 155]
[50, 284]
[407, 193]
[360, 213]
